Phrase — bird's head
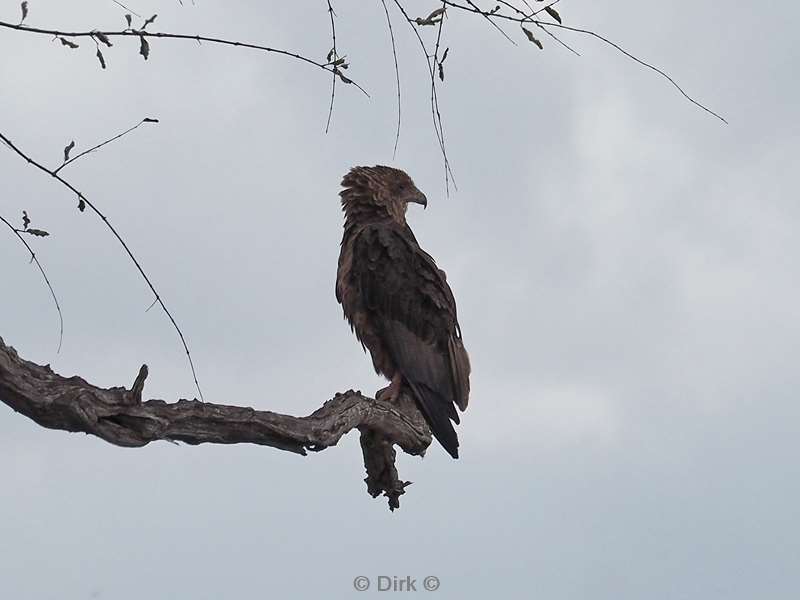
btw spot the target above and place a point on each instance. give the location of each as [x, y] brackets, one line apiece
[379, 190]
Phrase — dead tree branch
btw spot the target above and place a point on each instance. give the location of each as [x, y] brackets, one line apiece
[120, 417]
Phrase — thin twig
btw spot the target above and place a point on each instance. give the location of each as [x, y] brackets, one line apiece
[508, 4]
[523, 17]
[529, 17]
[436, 115]
[435, 104]
[108, 141]
[544, 8]
[84, 200]
[175, 36]
[335, 58]
[128, 9]
[641, 62]
[396, 75]
[46, 280]
[544, 24]
[559, 40]
[488, 17]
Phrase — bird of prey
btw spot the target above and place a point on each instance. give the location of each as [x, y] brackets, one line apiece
[398, 302]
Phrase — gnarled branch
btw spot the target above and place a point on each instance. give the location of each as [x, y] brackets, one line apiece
[119, 416]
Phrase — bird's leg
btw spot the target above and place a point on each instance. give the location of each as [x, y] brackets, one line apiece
[392, 392]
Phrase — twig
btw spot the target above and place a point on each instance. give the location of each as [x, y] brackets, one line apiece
[396, 75]
[436, 115]
[559, 40]
[544, 24]
[108, 141]
[435, 106]
[498, 15]
[528, 18]
[175, 36]
[488, 17]
[83, 200]
[641, 62]
[46, 280]
[526, 3]
[126, 8]
[335, 58]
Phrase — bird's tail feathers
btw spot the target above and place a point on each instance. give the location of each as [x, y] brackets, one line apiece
[460, 368]
[438, 413]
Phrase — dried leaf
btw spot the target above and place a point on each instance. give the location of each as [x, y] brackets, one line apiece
[444, 56]
[149, 120]
[144, 47]
[66, 42]
[68, 149]
[100, 58]
[25, 220]
[331, 54]
[128, 18]
[24, 7]
[81, 204]
[441, 71]
[532, 38]
[102, 37]
[553, 13]
[148, 21]
[37, 232]
[342, 77]
[432, 19]
[439, 12]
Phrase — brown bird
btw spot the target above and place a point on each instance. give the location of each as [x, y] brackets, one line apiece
[398, 302]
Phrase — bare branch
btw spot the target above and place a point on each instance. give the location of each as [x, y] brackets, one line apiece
[396, 74]
[35, 260]
[528, 17]
[558, 40]
[641, 62]
[108, 141]
[523, 18]
[120, 4]
[334, 56]
[488, 17]
[82, 203]
[435, 105]
[142, 34]
[118, 416]
[435, 114]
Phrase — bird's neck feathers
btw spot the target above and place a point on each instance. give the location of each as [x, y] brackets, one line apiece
[364, 206]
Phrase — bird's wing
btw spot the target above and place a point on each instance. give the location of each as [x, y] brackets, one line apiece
[412, 308]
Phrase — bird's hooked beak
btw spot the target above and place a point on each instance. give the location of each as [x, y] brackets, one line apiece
[419, 198]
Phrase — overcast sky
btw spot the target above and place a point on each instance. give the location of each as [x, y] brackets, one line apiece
[625, 267]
